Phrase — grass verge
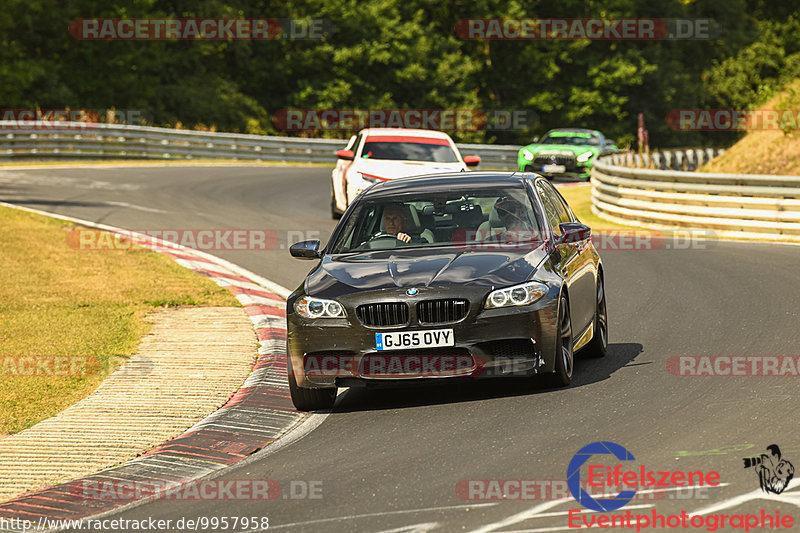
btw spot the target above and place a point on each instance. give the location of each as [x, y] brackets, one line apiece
[579, 198]
[59, 301]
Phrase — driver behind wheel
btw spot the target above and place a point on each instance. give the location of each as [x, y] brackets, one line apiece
[395, 222]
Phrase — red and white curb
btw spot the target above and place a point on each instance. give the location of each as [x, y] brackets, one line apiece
[254, 416]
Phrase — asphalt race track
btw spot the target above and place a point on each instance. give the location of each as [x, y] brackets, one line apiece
[391, 460]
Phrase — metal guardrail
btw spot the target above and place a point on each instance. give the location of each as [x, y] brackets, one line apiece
[745, 206]
[79, 140]
[688, 159]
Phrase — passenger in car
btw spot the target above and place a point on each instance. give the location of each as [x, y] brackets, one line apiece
[508, 220]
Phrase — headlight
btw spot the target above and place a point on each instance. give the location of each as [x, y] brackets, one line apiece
[585, 156]
[527, 154]
[524, 294]
[308, 307]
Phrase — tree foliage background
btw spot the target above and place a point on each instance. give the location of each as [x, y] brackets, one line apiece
[403, 54]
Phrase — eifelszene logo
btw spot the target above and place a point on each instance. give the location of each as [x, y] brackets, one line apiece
[608, 479]
[774, 472]
[574, 477]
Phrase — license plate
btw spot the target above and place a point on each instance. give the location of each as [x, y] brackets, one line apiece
[408, 340]
[554, 169]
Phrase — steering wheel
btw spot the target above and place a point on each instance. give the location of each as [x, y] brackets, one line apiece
[383, 236]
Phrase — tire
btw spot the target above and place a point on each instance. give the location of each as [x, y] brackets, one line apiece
[335, 213]
[564, 353]
[309, 399]
[598, 346]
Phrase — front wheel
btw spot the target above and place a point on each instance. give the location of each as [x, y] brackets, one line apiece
[598, 346]
[309, 399]
[565, 357]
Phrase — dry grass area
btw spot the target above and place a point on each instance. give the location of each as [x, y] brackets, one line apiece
[58, 301]
[579, 199]
[766, 151]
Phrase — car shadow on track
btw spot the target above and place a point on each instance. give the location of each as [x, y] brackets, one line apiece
[587, 371]
[28, 202]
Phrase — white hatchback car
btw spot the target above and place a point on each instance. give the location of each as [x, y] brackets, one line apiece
[381, 154]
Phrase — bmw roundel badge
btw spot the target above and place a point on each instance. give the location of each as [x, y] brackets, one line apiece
[412, 292]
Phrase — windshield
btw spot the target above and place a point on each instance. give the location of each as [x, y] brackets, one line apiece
[487, 216]
[570, 138]
[435, 150]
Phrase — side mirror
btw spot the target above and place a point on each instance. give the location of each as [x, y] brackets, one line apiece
[345, 154]
[472, 160]
[535, 139]
[574, 232]
[306, 249]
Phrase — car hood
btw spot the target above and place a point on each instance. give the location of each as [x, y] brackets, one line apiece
[562, 149]
[389, 269]
[390, 169]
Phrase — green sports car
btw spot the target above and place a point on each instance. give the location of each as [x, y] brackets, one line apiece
[565, 152]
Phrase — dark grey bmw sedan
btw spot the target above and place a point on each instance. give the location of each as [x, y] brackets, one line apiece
[445, 277]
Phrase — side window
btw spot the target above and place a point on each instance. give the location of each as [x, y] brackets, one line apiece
[558, 202]
[550, 211]
[356, 144]
[567, 212]
[351, 144]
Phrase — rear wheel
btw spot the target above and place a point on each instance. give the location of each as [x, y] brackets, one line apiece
[309, 399]
[598, 346]
[565, 357]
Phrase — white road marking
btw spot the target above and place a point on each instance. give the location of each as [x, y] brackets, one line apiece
[25, 178]
[527, 514]
[537, 511]
[138, 207]
[792, 498]
[370, 515]
[566, 513]
[144, 164]
[585, 511]
[249, 299]
[424, 527]
[544, 529]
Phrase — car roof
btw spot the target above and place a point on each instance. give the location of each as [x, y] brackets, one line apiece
[444, 182]
[573, 130]
[408, 132]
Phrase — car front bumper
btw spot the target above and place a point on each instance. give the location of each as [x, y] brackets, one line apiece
[512, 341]
[579, 171]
